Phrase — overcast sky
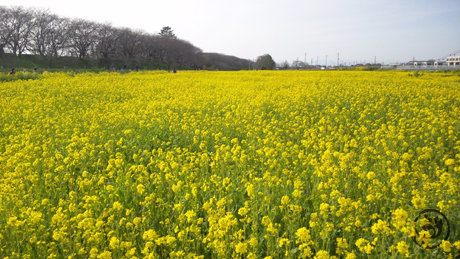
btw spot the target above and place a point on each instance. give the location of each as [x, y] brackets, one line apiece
[359, 30]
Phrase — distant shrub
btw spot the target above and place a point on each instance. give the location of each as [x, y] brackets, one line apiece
[371, 68]
[18, 76]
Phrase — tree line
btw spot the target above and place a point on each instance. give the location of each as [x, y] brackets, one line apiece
[40, 32]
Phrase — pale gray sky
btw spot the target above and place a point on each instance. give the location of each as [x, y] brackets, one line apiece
[359, 30]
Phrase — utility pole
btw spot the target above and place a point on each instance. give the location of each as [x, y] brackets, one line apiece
[337, 59]
[375, 60]
[326, 61]
[317, 58]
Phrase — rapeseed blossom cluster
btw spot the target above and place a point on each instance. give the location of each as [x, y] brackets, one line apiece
[254, 164]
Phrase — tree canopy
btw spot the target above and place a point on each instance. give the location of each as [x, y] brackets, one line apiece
[265, 62]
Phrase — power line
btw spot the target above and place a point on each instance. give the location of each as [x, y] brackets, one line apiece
[451, 54]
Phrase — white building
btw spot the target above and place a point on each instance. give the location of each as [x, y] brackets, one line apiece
[453, 60]
[421, 63]
[439, 63]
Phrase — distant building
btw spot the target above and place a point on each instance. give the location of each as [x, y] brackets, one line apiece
[421, 63]
[439, 63]
[367, 65]
[453, 60]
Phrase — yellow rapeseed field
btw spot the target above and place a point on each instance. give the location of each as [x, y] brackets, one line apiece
[248, 164]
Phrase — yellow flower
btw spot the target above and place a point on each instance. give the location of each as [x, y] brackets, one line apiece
[370, 175]
[99, 163]
[446, 245]
[253, 241]
[424, 237]
[243, 211]
[351, 256]
[93, 252]
[150, 235]
[137, 221]
[190, 215]
[105, 255]
[364, 245]
[303, 235]
[170, 239]
[400, 217]
[283, 241]
[449, 161]
[419, 203]
[403, 248]
[241, 248]
[380, 227]
[285, 200]
[140, 189]
[370, 197]
[117, 206]
[266, 220]
[297, 193]
[114, 243]
[342, 243]
[272, 229]
[324, 207]
[321, 254]
[368, 248]
[457, 245]
[131, 252]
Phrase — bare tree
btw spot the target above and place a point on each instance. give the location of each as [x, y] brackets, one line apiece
[129, 42]
[220, 61]
[182, 52]
[284, 65]
[48, 35]
[83, 36]
[297, 64]
[40, 34]
[107, 42]
[22, 22]
[165, 53]
[59, 37]
[6, 28]
[150, 47]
